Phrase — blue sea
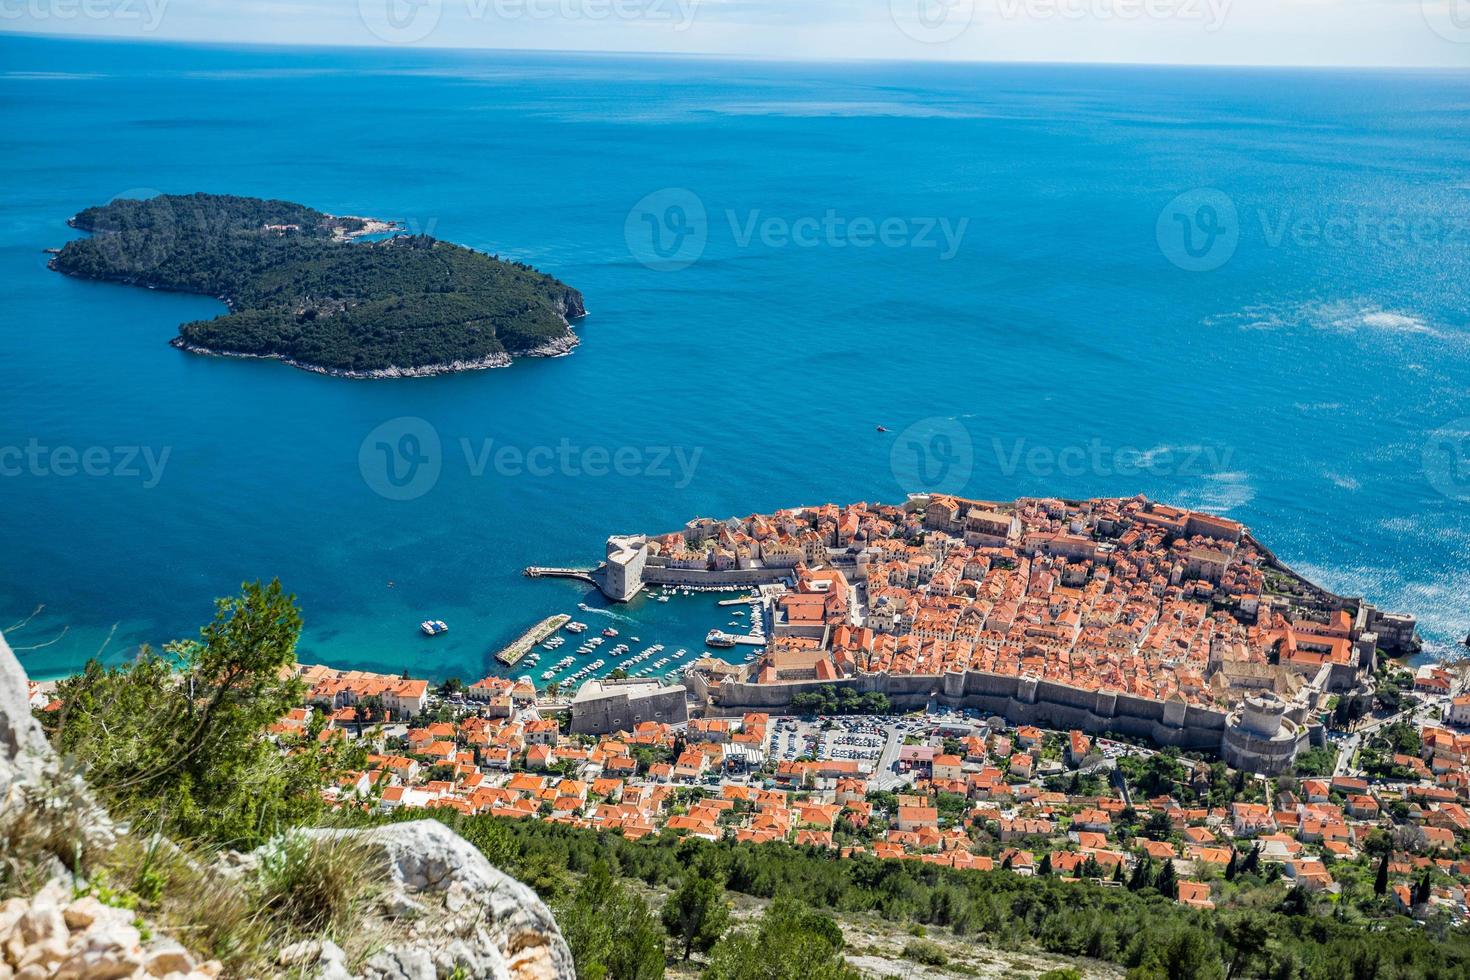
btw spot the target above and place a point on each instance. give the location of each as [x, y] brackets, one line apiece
[1245, 291]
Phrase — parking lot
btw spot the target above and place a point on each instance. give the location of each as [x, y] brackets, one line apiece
[859, 737]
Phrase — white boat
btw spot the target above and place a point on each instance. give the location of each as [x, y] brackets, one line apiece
[433, 627]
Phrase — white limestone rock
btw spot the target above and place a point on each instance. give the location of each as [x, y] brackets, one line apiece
[498, 927]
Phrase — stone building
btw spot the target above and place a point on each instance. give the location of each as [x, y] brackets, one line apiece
[605, 706]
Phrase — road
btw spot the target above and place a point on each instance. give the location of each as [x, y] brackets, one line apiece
[885, 776]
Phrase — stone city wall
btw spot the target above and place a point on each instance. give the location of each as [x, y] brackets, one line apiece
[1021, 701]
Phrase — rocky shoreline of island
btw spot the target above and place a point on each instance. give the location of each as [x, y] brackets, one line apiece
[499, 360]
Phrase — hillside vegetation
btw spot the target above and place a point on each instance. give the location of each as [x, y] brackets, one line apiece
[299, 288]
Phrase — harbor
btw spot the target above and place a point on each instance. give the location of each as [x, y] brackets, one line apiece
[655, 638]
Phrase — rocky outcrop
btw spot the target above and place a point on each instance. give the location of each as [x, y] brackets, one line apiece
[83, 939]
[447, 911]
[463, 915]
[23, 749]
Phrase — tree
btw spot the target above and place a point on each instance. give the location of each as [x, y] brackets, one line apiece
[1182, 954]
[1423, 889]
[696, 914]
[1044, 868]
[1252, 860]
[611, 932]
[1143, 874]
[791, 941]
[1158, 827]
[1233, 867]
[1167, 884]
[369, 710]
[180, 741]
[1380, 881]
[1246, 936]
[1296, 902]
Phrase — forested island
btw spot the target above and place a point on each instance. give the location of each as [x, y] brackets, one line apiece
[303, 286]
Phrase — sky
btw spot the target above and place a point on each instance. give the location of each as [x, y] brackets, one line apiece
[1405, 33]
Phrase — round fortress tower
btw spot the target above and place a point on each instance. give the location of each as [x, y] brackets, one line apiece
[1259, 736]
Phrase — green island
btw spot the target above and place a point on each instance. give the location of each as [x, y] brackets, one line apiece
[305, 287]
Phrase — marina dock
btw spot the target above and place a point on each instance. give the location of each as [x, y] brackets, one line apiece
[581, 574]
[512, 654]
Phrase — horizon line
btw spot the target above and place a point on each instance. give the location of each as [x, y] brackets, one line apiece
[711, 55]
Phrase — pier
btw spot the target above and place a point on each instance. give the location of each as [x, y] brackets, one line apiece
[588, 575]
[512, 654]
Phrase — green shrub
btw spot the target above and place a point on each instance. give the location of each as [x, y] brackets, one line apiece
[925, 951]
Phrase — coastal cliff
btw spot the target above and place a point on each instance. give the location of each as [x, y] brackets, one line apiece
[325, 293]
[436, 907]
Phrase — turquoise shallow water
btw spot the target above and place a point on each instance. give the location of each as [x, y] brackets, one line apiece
[1299, 364]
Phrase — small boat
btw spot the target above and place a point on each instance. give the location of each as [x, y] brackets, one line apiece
[433, 627]
[662, 598]
[609, 632]
[882, 428]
